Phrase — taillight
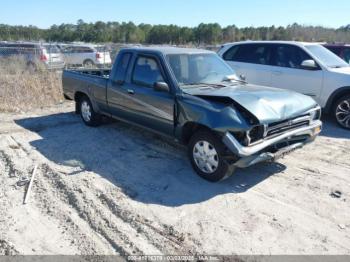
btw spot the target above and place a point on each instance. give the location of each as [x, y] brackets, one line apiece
[43, 57]
[98, 56]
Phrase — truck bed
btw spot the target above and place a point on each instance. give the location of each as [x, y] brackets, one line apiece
[88, 81]
[93, 72]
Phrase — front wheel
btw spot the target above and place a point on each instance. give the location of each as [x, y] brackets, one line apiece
[207, 155]
[87, 113]
[341, 111]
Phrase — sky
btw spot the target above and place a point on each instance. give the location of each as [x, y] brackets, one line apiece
[44, 13]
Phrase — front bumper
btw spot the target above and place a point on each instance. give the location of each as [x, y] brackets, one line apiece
[251, 155]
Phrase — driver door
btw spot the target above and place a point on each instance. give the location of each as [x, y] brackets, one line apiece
[146, 106]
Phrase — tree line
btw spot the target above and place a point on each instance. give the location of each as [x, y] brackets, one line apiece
[212, 33]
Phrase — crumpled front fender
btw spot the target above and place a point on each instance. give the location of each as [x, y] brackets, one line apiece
[220, 117]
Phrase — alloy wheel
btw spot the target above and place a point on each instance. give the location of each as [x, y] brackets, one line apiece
[342, 113]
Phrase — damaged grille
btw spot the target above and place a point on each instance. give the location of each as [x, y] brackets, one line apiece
[259, 133]
[287, 125]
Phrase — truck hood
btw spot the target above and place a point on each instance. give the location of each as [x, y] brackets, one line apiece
[265, 103]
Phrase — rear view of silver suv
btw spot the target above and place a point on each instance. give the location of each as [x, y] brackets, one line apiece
[34, 55]
[55, 59]
[86, 55]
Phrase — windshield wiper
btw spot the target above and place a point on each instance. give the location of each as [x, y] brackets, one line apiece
[205, 84]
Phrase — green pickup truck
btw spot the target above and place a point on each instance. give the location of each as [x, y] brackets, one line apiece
[194, 97]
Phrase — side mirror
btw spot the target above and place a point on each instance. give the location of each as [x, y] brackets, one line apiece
[161, 87]
[309, 64]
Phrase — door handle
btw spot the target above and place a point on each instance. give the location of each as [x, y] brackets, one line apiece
[277, 73]
[130, 91]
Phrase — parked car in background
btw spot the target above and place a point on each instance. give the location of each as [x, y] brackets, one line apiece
[35, 55]
[307, 68]
[341, 50]
[193, 96]
[86, 55]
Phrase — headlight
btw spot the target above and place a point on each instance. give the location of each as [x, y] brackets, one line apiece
[251, 136]
[318, 114]
[255, 134]
[315, 114]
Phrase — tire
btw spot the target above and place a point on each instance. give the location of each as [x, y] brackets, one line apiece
[341, 112]
[87, 113]
[207, 156]
[88, 63]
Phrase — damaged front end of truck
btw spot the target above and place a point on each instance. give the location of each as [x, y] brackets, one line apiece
[256, 124]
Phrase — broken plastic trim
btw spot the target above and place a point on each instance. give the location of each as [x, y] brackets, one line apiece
[267, 156]
[235, 147]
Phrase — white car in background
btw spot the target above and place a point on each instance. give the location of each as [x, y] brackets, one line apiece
[307, 68]
[86, 55]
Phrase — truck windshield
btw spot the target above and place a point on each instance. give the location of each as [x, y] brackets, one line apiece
[199, 69]
[326, 57]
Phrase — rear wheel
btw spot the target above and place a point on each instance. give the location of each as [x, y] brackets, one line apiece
[207, 155]
[87, 113]
[341, 111]
[88, 63]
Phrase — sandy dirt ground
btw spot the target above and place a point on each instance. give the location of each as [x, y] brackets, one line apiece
[117, 189]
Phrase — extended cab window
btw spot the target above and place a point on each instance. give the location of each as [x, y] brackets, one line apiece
[122, 67]
[146, 71]
[252, 53]
[290, 56]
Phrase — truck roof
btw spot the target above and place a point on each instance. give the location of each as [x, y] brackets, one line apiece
[167, 50]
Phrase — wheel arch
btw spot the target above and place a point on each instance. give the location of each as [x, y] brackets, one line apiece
[190, 128]
[335, 96]
[88, 60]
